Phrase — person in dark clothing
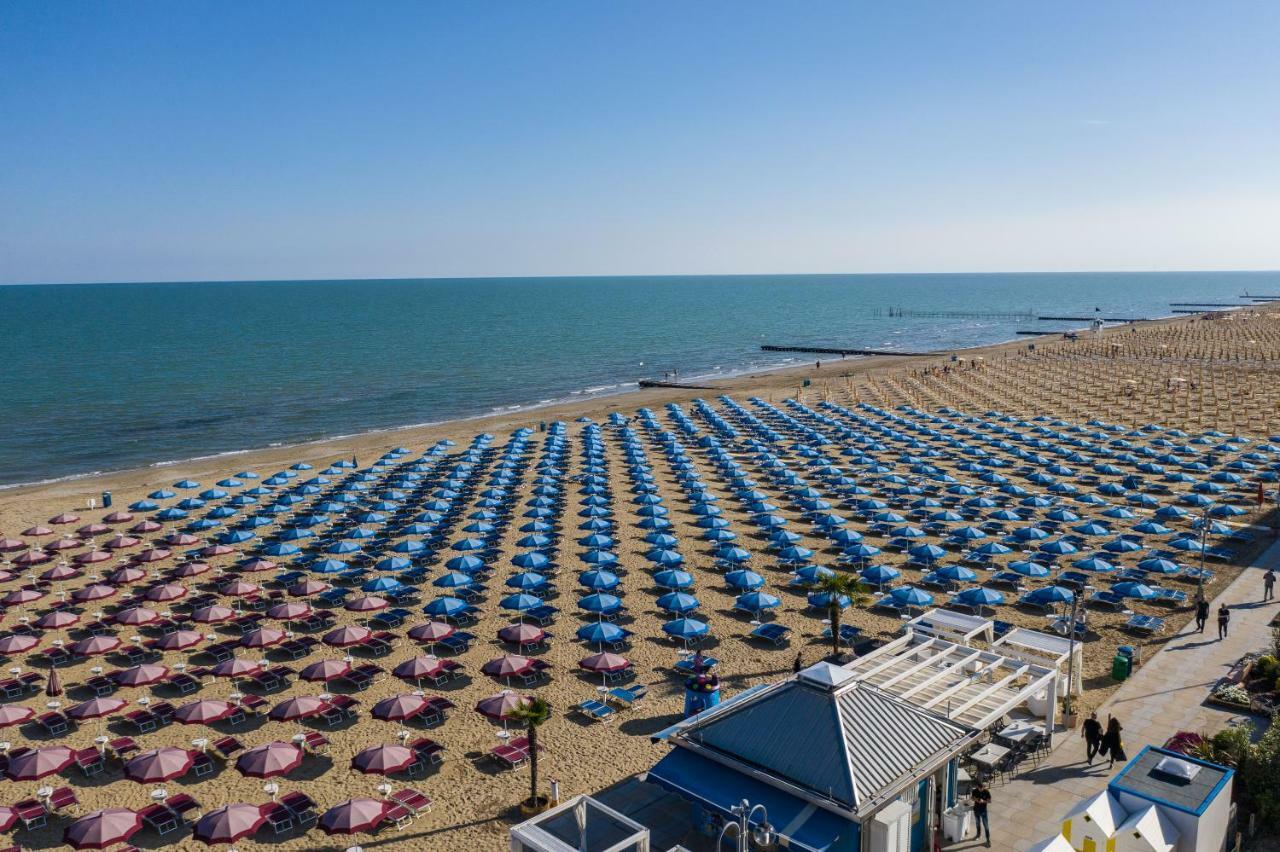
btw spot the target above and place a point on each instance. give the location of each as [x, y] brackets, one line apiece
[1269, 585]
[1112, 744]
[981, 797]
[1202, 614]
[798, 664]
[1091, 731]
[1224, 620]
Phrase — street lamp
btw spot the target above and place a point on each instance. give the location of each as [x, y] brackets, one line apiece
[763, 834]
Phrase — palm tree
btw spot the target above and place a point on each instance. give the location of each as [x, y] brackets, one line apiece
[533, 713]
[838, 586]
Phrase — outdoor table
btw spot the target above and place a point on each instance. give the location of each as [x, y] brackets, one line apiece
[989, 755]
[1020, 732]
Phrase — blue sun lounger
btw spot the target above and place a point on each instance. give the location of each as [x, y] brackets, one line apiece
[775, 633]
[1144, 624]
[848, 634]
[594, 710]
[1110, 600]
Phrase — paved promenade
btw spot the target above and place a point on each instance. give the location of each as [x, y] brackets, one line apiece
[1166, 695]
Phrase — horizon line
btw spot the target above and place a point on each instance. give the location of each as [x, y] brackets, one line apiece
[319, 280]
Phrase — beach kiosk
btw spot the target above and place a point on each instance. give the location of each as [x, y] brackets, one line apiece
[820, 762]
[1092, 824]
[701, 689]
[1194, 796]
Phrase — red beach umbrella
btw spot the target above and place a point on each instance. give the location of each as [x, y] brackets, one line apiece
[143, 675]
[215, 550]
[354, 816]
[604, 662]
[35, 556]
[499, 706]
[64, 518]
[145, 527]
[93, 528]
[179, 640]
[17, 644]
[59, 573]
[292, 611]
[343, 637]
[228, 824]
[180, 539]
[160, 764]
[240, 589]
[11, 545]
[237, 667]
[418, 668]
[37, 531]
[367, 603]
[522, 634]
[127, 574]
[166, 592]
[92, 557]
[212, 614]
[56, 620]
[299, 707]
[255, 565]
[263, 637]
[508, 665]
[117, 518]
[95, 645]
[203, 712]
[96, 708]
[305, 588]
[153, 554]
[13, 714]
[19, 597]
[93, 592]
[399, 707]
[432, 631]
[187, 570]
[136, 616]
[101, 829]
[53, 683]
[39, 763]
[120, 541]
[270, 760]
[383, 759]
[64, 543]
[325, 670]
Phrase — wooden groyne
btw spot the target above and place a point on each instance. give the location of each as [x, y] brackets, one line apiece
[654, 383]
[1208, 305]
[1091, 319]
[830, 350]
[1044, 331]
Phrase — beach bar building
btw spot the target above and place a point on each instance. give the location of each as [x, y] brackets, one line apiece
[822, 762]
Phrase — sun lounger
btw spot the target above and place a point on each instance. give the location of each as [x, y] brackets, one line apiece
[1107, 600]
[90, 761]
[122, 747]
[32, 814]
[775, 633]
[61, 799]
[226, 747]
[1144, 624]
[428, 751]
[684, 665]
[544, 614]
[890, 604]
[594, 710]
[54, 724]
[628, 695]
[848, 634]
[182, 804]
[414, 800]
[278, 817]
[316, 742]
[1165, 595]
[301, 806]
[1031, 603]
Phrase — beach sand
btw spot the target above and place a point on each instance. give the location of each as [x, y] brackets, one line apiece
[1185, 373]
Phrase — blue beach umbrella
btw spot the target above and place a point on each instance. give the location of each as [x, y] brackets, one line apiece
[912, 597]
[600, 603]
[519, 602]
[1051, 595]
[685, 628]
[601, 632]
[526, 581]
[743, 580]
[598, 580]
[453, 580]
[980, 597]
[1028, 569]
[393, 563]
[382, 584]
[678, 602]
[1130, 589]
[879, 575]
[673, 579]
[532, 561]
[445, 606]
[328, 566]
[756, 602]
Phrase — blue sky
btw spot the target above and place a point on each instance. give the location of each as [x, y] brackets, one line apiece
[225, 140]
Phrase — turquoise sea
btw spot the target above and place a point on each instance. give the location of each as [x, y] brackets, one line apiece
[102, 377]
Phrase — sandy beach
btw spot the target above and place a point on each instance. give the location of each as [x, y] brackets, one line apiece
[1188, 373]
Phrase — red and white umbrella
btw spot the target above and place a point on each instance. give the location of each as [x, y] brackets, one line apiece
[143, 675]
[96, 708]
[93, 592]
[383, 759]
[237, 667]
[325, 670]
[604, 662]
[136, 616]
[95, 645]
[229, 823]
[418, 668]
[367, 603]
[270, 760]
[101, 829]
[166, 592]
[204, 711]
[354, 816]
[432, 631]
[299, 707]
[39, 763]
[262, 637]
[179, 640]
[212, 614]
[399, 707]
[344, 637]
[56, 620]
[306, 588]
[159, 764]
[508, 665]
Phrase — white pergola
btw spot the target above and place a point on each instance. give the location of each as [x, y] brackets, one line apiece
[969, 685]
[1043, 649]
[580, 823]
[955, 626]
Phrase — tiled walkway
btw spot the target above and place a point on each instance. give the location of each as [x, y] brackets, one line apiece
[1166, 695]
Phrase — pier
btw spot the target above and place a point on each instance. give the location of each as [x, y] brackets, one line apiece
[1209, 305]
[828, 350]
[1053, 331]
[655, 383]
[1091, 319]
[911, 312]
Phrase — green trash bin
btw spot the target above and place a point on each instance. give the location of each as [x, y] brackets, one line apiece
[1121, 665]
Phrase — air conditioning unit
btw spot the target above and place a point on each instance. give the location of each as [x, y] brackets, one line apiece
[890, 829]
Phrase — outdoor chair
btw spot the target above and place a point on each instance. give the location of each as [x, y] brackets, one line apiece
[278, 817]
[775, 633]
[414, 800]
[301, 806]
[594, 710]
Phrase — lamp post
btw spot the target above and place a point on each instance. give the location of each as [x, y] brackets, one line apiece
[762, 834]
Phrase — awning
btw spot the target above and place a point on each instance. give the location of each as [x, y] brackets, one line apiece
[718, 788]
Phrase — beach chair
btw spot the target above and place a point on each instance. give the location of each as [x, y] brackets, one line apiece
[889, 604]
[1145, 625]
[182, 804]
[163, 712]
[414, 800]
[509, 756]
[122, 747]
[90, 761]
[1007, 579]
[54, 724]
[458, 643]
[775, 633]
[398, 815]
[183, 683]
[225, 747]
[428, 751]
[1107, 600]
[340, 709]
[1073, 579]
[684, 665]
[594, 710]
[849, 634]
[301, 806]
[142, 721]
[390, 618]
[202, 764]
[628, 695]
[544, 615]
[63, 798]
[1031, 603]
[31, 814]
[277, 816]
[315, 742]
[101, 686]
[1170, 597]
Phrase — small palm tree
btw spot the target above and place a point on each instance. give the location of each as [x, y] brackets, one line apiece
[533, 713]
[837, 586]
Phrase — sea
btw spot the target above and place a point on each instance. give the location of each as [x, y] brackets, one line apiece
[102, 377]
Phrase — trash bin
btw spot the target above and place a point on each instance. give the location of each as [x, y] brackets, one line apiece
[955, 822]
[106, 499]
[1121, 665]
[807, 383]
[1134, 654]
[542, 425]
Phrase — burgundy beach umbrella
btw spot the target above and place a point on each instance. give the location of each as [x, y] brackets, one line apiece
[136, 616]
[354, 816]
[56, 620]
[17, 644]
[95, 645]
[270, 760]
[179, 640]
[325, 670]
[120, 541]
[432, 631]
[418, 668]
[498, 707]
[96, 708]
[237, 667]
[152, 554]
[35, 556]
[292, 611]
[187, 570]
[53, 683]
[64, 518]
[508, 665]
[203, 712]
[13, 714]
[522, 634]
[383, 759]
[367, 603]
[306, 588]
[160, 764]
[59, 573]
[127, 574]
[344, 637]
[604, 662]
[212, 614]
[8, 816]
[39, 763]
[228, 824]
[145, 527]
[256, 565]
[262, 637]
[117, 518]
[239, 589]
[216, 550]
[101, 829]
[166, 592]
[92, 557]
[67, 542]
[12, 545]
[37, 531]
[93, 592]
[397, 708]
[143, 675]
[298, 707]
[18, 597]
[180, 539]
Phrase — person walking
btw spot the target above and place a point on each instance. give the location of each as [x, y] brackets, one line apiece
[981, 797]
[1269, 585]
[1091, 731]
[1202, 614]
[1224, 620]
[1112, 743]
[799, 663]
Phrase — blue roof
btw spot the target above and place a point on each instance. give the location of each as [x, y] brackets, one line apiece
[718, 788]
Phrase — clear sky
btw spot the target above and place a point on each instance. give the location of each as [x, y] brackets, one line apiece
[222, 140]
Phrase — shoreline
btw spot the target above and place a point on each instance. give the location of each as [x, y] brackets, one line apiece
[788, 377]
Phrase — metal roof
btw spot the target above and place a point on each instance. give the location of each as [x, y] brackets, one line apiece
[844, 742]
